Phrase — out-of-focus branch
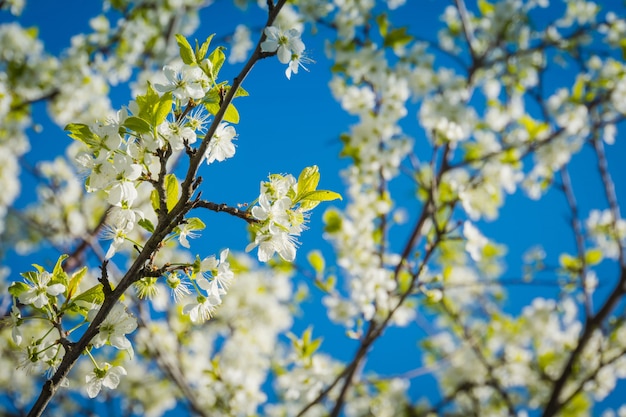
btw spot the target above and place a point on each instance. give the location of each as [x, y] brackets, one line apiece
[554, 403]
[577, 229]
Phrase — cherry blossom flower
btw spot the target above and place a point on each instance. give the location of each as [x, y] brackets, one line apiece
[219, 270]
[177, 135]
[114, 328]
[179, 288]
[297, 61]
[105, 375]
[185, 83]
[204, 307]
[221, 146]
[39, 290]
[285, 44]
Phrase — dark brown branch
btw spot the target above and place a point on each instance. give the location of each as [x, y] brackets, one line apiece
[233, 211]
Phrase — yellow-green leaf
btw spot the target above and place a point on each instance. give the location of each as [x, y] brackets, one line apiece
[154, 199]
[316, 260]
[171, 191]
[321, 195]
[82, 133]
[75, 281]
[231, 115]
[570, 263]
[593, 256]
[186, 52]
[137, 124]
[485, 7]
[162, 109]
[383, 24]
[332, 221]
[201, 53]
[92, 295]
[308, 180]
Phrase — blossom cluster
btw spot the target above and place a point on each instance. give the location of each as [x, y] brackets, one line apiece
[288, 47]
[281, 212]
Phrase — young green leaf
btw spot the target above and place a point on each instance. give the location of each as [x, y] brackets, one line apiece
[186, 52]
[171, 191]
[308, 180]
[217, 59]
[147, 225]
[58, 274]
[397, 37]
[162, 108]
[320, 195]
[593, 256]
[570, 263]
[316, 260]
[201, 53]
[332, 221]
[75, 281]
[241, 93]
[17, 288]
[154, 199]
[383, 24]
[137, 124]
[82, 133]
[92, 295]
[195, 223]
[231, 115]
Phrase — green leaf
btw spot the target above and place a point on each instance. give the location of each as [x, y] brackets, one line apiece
[578, 88]
[217, 59]
[147, 225]
[154, 199]
[307, 205]
[485, 7]
[201, 53]
[171, 191]
[17, 288]
[137, 124]
[316, 260]
[593, 256]
[195, 223]
[397, 37]
[533, 127]
[308, 180]
[241, 93]
[383, 24]
[570, 263]
[75, 281]
[148, 104]
[162, 108]
[212, 100]
[231, 115]
[58, 274]
[82, 133]
[321, 195]
[30, 276]
[186, 53]
[92, 295]
[332, 221]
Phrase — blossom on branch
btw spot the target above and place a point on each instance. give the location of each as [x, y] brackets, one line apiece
[104, 375]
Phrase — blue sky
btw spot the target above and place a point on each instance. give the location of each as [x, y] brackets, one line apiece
[287, 125]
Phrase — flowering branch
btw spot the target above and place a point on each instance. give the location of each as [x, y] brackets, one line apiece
[166, 224]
